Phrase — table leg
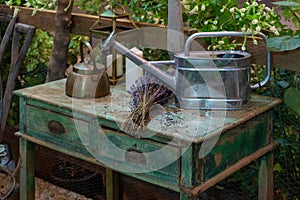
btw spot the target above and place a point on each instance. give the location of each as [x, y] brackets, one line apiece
[112, 184]
[266, 177]
[27, 185]
[184, 196]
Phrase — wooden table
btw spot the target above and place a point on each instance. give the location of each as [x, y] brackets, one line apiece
[182, 150]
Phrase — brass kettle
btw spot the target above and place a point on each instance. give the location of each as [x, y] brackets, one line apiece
[88, 79]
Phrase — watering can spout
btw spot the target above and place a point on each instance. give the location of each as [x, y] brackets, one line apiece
[149, 67]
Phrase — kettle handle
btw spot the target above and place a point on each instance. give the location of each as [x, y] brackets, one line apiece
[88, 45]
[90, 49]
[188, 42]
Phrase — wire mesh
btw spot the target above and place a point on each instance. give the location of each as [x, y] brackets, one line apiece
[243, 184]
[70, 173]
[88, 180]
[287, 132]
[287, 157]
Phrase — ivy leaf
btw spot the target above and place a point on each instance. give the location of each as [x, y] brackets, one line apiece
[292, 99]
[283, 142]
[283, 43]
[277, 167]
[287, 3]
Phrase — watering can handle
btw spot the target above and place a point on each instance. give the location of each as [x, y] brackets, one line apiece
[187, 47]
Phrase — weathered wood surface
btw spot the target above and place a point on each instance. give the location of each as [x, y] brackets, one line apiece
[187, 125]
[237, 166]
[27, 184]
[4, 42]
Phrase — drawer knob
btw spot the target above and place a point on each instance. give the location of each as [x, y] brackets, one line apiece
[56, 127]
[135, 156]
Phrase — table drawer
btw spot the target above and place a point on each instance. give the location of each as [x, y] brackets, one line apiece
[142, 158]
[54, 127]
[159, 162]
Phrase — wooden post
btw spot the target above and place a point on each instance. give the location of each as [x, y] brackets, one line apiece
[27, 185]
[265, 177]
[112, 184]
[175, 26]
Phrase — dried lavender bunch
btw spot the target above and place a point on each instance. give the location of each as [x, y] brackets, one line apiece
[146, 92]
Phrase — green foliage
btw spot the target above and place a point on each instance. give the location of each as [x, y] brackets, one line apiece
[199, 14]
[35, 4]
[204, 15]
[39, 51]
[13, 2]
[283, 43]
[290, 41]
[292, 99]
[74, 50]
[155, 54]
[221, 15]
[291, 11]
[151, 11]
[93, 7]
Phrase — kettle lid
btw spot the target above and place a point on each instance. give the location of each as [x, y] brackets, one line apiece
[88, 66]
[87, 69]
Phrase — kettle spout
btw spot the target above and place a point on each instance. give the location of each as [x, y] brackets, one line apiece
[162, 76]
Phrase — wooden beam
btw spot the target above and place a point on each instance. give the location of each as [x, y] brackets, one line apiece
[44, 19]
[289, 60]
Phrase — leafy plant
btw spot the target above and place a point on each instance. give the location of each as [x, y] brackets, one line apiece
[204, 15]
[39, 51]
[291, 39]
[219, 15]
[41, 4]
[151, 11]
[290, 11]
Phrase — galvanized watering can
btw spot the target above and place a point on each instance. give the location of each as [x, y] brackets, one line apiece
[204, 79]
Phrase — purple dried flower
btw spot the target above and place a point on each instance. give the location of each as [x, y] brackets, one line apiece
[146, 92]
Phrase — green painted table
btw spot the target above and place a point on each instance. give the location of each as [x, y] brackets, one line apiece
[182, 150]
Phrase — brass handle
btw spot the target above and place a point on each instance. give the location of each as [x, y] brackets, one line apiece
[56, 127]
[135, 156]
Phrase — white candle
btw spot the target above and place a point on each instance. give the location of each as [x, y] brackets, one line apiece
[119, 65]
